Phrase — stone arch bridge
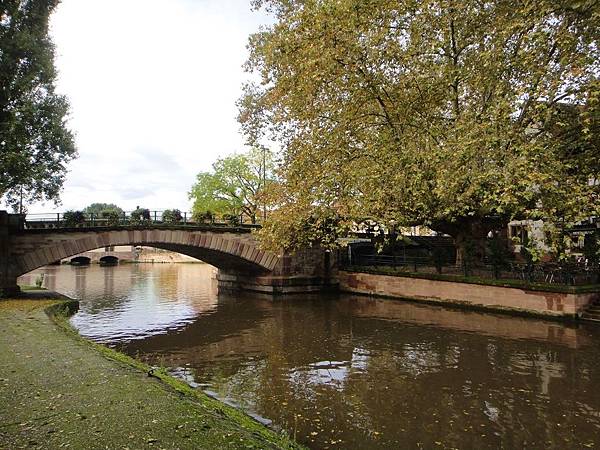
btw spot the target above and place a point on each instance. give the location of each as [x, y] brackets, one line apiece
[232, 250]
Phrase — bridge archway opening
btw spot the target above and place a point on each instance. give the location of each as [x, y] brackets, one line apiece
[109, 260]
[80, 261]
[216, 258]
[233, 252]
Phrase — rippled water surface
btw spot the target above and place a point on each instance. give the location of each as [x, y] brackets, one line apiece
[348, 371]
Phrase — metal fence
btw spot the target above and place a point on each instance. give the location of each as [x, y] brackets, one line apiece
[133, 218]
[564, 273]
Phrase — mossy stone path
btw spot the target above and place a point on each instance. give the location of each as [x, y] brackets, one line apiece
[58, 390]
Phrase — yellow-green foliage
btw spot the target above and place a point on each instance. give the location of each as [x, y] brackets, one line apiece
[447, 114]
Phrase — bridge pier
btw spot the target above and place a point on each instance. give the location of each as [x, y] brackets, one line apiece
[270, 284]
[307, 270]
[8, 278]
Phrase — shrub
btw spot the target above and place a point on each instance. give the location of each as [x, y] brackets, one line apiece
[203, 217]
[591, 248]
[140, 215]
[232, 219]
[440, 258]
[171, 216]
[111, 216]
[498, 254]
[96, 209]
[73, 218]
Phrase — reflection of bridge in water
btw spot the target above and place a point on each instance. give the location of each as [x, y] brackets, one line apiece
[232, 249]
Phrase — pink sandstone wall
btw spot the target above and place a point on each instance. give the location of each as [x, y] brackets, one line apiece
[495, 297]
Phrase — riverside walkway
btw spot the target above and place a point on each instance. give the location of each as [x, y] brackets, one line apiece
[58, 390]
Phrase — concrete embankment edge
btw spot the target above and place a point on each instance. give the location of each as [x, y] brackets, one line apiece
[503, 299]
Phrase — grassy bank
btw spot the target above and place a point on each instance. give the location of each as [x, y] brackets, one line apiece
[59, 390]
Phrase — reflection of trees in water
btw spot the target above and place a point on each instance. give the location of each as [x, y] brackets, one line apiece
[219, 331]
[112, 288]
[243, 385]
[290, 360]
[177, 281]
[359, 366]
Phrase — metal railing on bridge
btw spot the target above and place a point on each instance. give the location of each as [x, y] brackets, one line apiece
[134, 218]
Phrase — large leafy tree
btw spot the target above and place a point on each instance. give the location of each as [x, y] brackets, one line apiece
[445, 113]
[235, 185]
[35, 143]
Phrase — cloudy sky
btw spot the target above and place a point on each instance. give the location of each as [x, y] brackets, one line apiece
[152, 86]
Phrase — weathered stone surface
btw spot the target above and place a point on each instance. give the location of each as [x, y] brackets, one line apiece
[493, 297]
[234, 251]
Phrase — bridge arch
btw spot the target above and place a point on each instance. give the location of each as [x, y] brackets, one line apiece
[80, 261]
[226, 250]
[108, 260]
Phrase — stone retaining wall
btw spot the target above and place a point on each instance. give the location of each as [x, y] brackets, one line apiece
[486, 296]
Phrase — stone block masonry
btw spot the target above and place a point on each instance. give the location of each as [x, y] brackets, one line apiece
[500, 298]
[234, 251]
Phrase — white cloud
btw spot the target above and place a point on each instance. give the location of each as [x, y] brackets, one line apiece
[152, 86]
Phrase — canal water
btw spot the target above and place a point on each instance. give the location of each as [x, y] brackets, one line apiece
[348, 371]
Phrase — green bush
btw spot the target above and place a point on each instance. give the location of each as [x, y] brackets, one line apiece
[440, 258]
[96, 209]
[171, 216]
[111, 216]
[232, 219]
[140, 216]
[591, 248]
[499, 254]
[203, 217]
[73, 218]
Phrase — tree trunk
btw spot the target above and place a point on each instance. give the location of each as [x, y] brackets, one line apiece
[470, 249]
[470, 238]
